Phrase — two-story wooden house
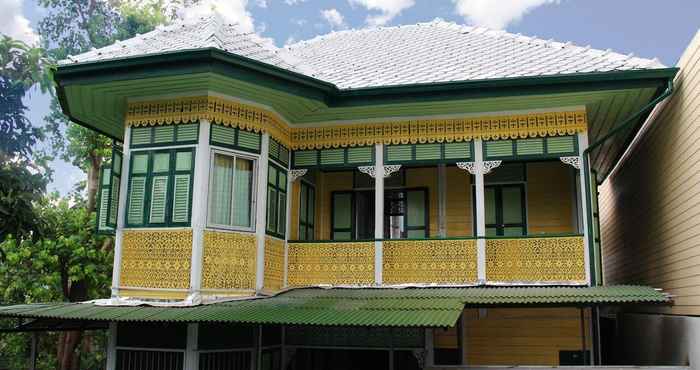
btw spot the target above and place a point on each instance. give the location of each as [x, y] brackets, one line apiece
[390, 198]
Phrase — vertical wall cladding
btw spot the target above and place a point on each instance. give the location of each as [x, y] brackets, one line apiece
[295, 206]
[550, 198]
[522, 336]
[459, 202]
[649, 207]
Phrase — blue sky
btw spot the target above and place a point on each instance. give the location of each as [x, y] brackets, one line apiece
[647, 28]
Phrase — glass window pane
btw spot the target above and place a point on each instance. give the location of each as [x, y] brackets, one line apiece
[302, 232]
[161, 162]
[416, 234]
[282, 181]
[271, 209]
[271, 175]
[490, 205]
[106, 173]
[282, 213]
[220, 191]
[140, 163]
[513, 231]
[183, 161]
[512, 205]
[342, 211]
[242, 193]
[416, 208]
[312, 206]
[310, 234]
[491, 231]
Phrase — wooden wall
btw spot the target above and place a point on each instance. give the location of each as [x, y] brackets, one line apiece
[650, 208]
[328, 182]
[459, 202]
[550, 198]
[522, 336]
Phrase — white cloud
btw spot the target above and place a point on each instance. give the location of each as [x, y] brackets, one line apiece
[334, 18]
[290, 40]
[294, 2]
[496, 14]
[388, 9]
[233, 11]
[261, 3]
[261, 28]
[299, 22]
[14, 24]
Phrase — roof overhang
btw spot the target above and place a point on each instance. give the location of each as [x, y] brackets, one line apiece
[95, 94]
[385, 307]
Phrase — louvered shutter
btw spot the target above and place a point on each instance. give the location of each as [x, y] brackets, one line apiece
[159, 199]
[108, 194]
[181, 199]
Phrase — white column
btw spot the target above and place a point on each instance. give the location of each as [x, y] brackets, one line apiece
[378, 212]
[582, 145]
[442, 200]
[480, 211]
[199, 208]
[121, 212]
[112, 347]
[191, 355]
[261, 211]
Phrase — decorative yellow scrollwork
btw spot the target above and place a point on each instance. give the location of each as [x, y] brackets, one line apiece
[231, 113]
[554, 259]
[429, 261]
[337, 263]
[273, 279]
[229, 261]
[156, 259]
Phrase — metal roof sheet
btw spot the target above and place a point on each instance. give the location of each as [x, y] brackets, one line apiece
[347, 306]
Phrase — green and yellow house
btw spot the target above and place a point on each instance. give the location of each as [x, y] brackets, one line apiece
[392, 198]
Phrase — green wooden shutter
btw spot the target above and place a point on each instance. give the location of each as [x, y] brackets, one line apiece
[137, 195]
[181, 199]
[342, 216]
[159, 199]
[113, 203]
[416, 214]
[103, 199]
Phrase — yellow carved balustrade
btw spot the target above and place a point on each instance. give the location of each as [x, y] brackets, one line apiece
[528, 260]
[156, 263]
[429, 261]
[335, 263]
[229, 262]
[273, 277]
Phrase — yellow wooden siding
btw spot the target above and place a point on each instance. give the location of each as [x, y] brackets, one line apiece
[522, 336]
[649, 208]
[550, 198]
[429, 261]
[459, 202]
[228, 261]
[294, 213]
[426, 177]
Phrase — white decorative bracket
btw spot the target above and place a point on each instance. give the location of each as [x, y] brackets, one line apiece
[486, 166]
[574, 161]
[388, 170]
[295, 174]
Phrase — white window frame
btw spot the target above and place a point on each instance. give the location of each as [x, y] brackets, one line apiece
[253, 197]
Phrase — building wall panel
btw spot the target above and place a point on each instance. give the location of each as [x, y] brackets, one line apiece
[650, 207]
[550, 198]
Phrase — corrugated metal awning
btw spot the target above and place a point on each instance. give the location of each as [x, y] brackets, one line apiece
[408, 307]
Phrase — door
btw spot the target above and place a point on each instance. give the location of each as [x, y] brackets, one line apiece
[505, 210]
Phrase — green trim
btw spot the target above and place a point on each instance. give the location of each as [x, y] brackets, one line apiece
[309, 225]
[278, 191]
[313, 158]
[153, 131]
[414, 154]
[535, 236]
[235, 132]
[545, 155]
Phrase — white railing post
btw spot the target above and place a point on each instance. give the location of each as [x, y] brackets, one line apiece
[378, 213]
[112, 347]
[480, 211]
[261, 211]
[191, 355]
[200, 200]
[121, 213]
[582, 145]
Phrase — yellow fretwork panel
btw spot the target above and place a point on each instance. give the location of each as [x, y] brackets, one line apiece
[153, 294]
[228, 260]
[331, 135]
[554, 259]
[156, 259]
[273, 279]
[429, 261]
[336, 263]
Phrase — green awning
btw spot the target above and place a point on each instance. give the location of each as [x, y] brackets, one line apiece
[428, 307]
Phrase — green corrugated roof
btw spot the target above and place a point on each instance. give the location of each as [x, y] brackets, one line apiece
[348, 307]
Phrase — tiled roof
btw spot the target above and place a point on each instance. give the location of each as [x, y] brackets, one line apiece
[436, 51]
[351, 307]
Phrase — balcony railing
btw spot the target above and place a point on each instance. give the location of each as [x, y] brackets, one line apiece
[443, 261]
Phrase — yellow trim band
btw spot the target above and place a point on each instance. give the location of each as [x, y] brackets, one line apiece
[235, 114]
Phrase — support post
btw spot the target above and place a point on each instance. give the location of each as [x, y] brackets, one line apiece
[199, 208]
[191, 355]
[33, 355]
[429, 350]
[112, 347]
[261, 211]
[121, 213]
[378, 213]
[480, 211]
[582, 145]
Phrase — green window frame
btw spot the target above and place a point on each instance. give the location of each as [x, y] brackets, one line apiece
[108, 193]
[307, 211]
[227, 201]
[276, 201]
[160, 188]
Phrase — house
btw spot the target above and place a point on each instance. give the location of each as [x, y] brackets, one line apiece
[649, 227]
[402, 197]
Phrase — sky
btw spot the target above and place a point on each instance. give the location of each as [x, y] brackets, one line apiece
[647, 28]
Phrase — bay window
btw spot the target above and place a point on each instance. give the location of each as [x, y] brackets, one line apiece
[231, 191]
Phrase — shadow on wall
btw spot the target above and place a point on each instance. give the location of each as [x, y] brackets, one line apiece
[658, 340]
